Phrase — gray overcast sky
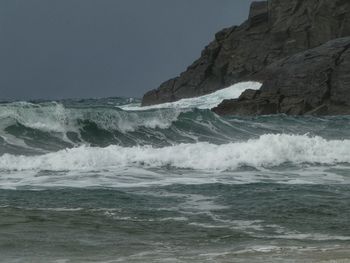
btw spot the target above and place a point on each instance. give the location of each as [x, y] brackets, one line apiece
[100, 48]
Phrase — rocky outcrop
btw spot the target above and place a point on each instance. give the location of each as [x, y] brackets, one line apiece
[316, 81]
[276, 29]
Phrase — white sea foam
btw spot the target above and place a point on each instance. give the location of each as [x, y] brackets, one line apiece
[314, 237]
[266, 151]
[203, 102]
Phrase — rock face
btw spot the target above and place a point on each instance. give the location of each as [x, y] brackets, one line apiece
[275, 30]
[316, 81]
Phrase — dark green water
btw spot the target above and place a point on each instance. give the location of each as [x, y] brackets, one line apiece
[85, 181]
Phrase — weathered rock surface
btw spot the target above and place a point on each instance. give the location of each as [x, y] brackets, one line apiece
[275, 30]
[316, 81]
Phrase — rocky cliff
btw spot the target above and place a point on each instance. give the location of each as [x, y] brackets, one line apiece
[275, 35]
[316, 81]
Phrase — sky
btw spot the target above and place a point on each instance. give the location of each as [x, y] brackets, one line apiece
[54, 49]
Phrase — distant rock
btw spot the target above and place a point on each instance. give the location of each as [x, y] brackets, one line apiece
[275, 30]
[316, 81]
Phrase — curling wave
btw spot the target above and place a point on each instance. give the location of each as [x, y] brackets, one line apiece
[50, 126]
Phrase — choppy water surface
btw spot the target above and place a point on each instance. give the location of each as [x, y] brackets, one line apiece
[106, 181]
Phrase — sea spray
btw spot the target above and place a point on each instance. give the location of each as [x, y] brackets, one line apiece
[202, 102]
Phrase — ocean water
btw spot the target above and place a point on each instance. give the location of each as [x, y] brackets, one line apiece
[108, 181]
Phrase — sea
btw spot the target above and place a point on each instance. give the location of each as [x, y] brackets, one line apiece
[106, 180]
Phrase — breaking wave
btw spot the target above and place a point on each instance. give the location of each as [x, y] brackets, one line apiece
[203, 102]
[39, 127]
[266, 151]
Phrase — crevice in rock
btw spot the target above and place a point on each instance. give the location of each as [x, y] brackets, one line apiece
[330, 73]
[297, 6]
[308, 37]
[280, 100]
[340, 54]
[329, 76]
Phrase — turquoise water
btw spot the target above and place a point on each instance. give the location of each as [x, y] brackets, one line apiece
[86, 181]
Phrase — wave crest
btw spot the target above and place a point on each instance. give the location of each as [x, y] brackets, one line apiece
[267, 151]
[202, 102]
